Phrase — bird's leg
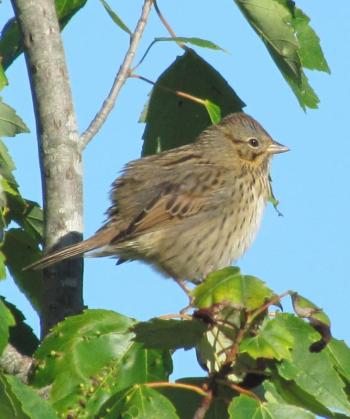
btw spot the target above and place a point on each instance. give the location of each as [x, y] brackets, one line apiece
[187, 291]
[182, 285]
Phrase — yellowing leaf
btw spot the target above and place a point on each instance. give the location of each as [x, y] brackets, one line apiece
[229, 286]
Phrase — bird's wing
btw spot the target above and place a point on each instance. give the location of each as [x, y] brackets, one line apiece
[171, 202]
[170, 207]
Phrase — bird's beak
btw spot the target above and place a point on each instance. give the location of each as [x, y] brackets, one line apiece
[275, 148]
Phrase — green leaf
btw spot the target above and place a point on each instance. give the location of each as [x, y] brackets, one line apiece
[6, 320]
[67, 9]
[10, 405]
[140, 366]
[10, 197]
[282, 391]
[116, 19]
[139, 402]
[290, 40]
[171, 120]
[169, 334]
[272, 198]
[79, 347]
[304, 93]
[10, 123]
[8, 184]
[7, 165]
[244, 407]
[213, 347]
[187, 402]
[3, 79]
[340, 355]
[89, 357]
[227, 298]
[19, 242]
[271, 19]
[2, 266]
[20, 401]
[273, 341]
[214, 111]
[310, 51]
[11, 45]
[33, 218]
[285, 411]
[27, 214]
[199, 42]
[314, 373]
[22, 336]
[229, 286]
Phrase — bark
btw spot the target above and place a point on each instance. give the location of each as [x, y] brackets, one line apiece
[60, 156]
[14, 363]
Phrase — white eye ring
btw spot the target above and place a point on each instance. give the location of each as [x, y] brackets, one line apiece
[253, 142]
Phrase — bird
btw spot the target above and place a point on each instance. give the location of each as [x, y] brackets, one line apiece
[190, 210]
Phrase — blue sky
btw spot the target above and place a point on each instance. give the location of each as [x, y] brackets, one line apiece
[307, 250]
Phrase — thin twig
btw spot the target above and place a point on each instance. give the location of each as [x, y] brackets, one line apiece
[175, 316]
[168, 89]
[168, 28]
[231, 357]
[190, 387]
[120, 79]
[144, 56]
[253, 314]
[165, 23]
[204, 406]
[242, 390]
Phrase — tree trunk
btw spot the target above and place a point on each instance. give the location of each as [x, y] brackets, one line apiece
[60, 154]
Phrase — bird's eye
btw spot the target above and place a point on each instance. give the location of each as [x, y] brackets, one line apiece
[253, 142]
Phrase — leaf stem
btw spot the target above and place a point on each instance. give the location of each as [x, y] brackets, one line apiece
[190, 387]
[175, 316]
[242, 390]
[253, 314]
[231, 357]
[168, 89]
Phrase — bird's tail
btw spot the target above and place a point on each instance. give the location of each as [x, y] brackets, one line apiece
[100, 239]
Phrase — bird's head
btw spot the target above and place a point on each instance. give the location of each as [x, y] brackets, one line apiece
[250, 142]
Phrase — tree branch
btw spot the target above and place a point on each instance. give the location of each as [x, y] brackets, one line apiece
[204, 406]
[120, 78]
[14, 363]
[60, 156]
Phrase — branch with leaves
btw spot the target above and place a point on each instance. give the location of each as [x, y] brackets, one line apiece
[264, 354]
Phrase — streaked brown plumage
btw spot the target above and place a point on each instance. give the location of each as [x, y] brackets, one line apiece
[190, 210]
